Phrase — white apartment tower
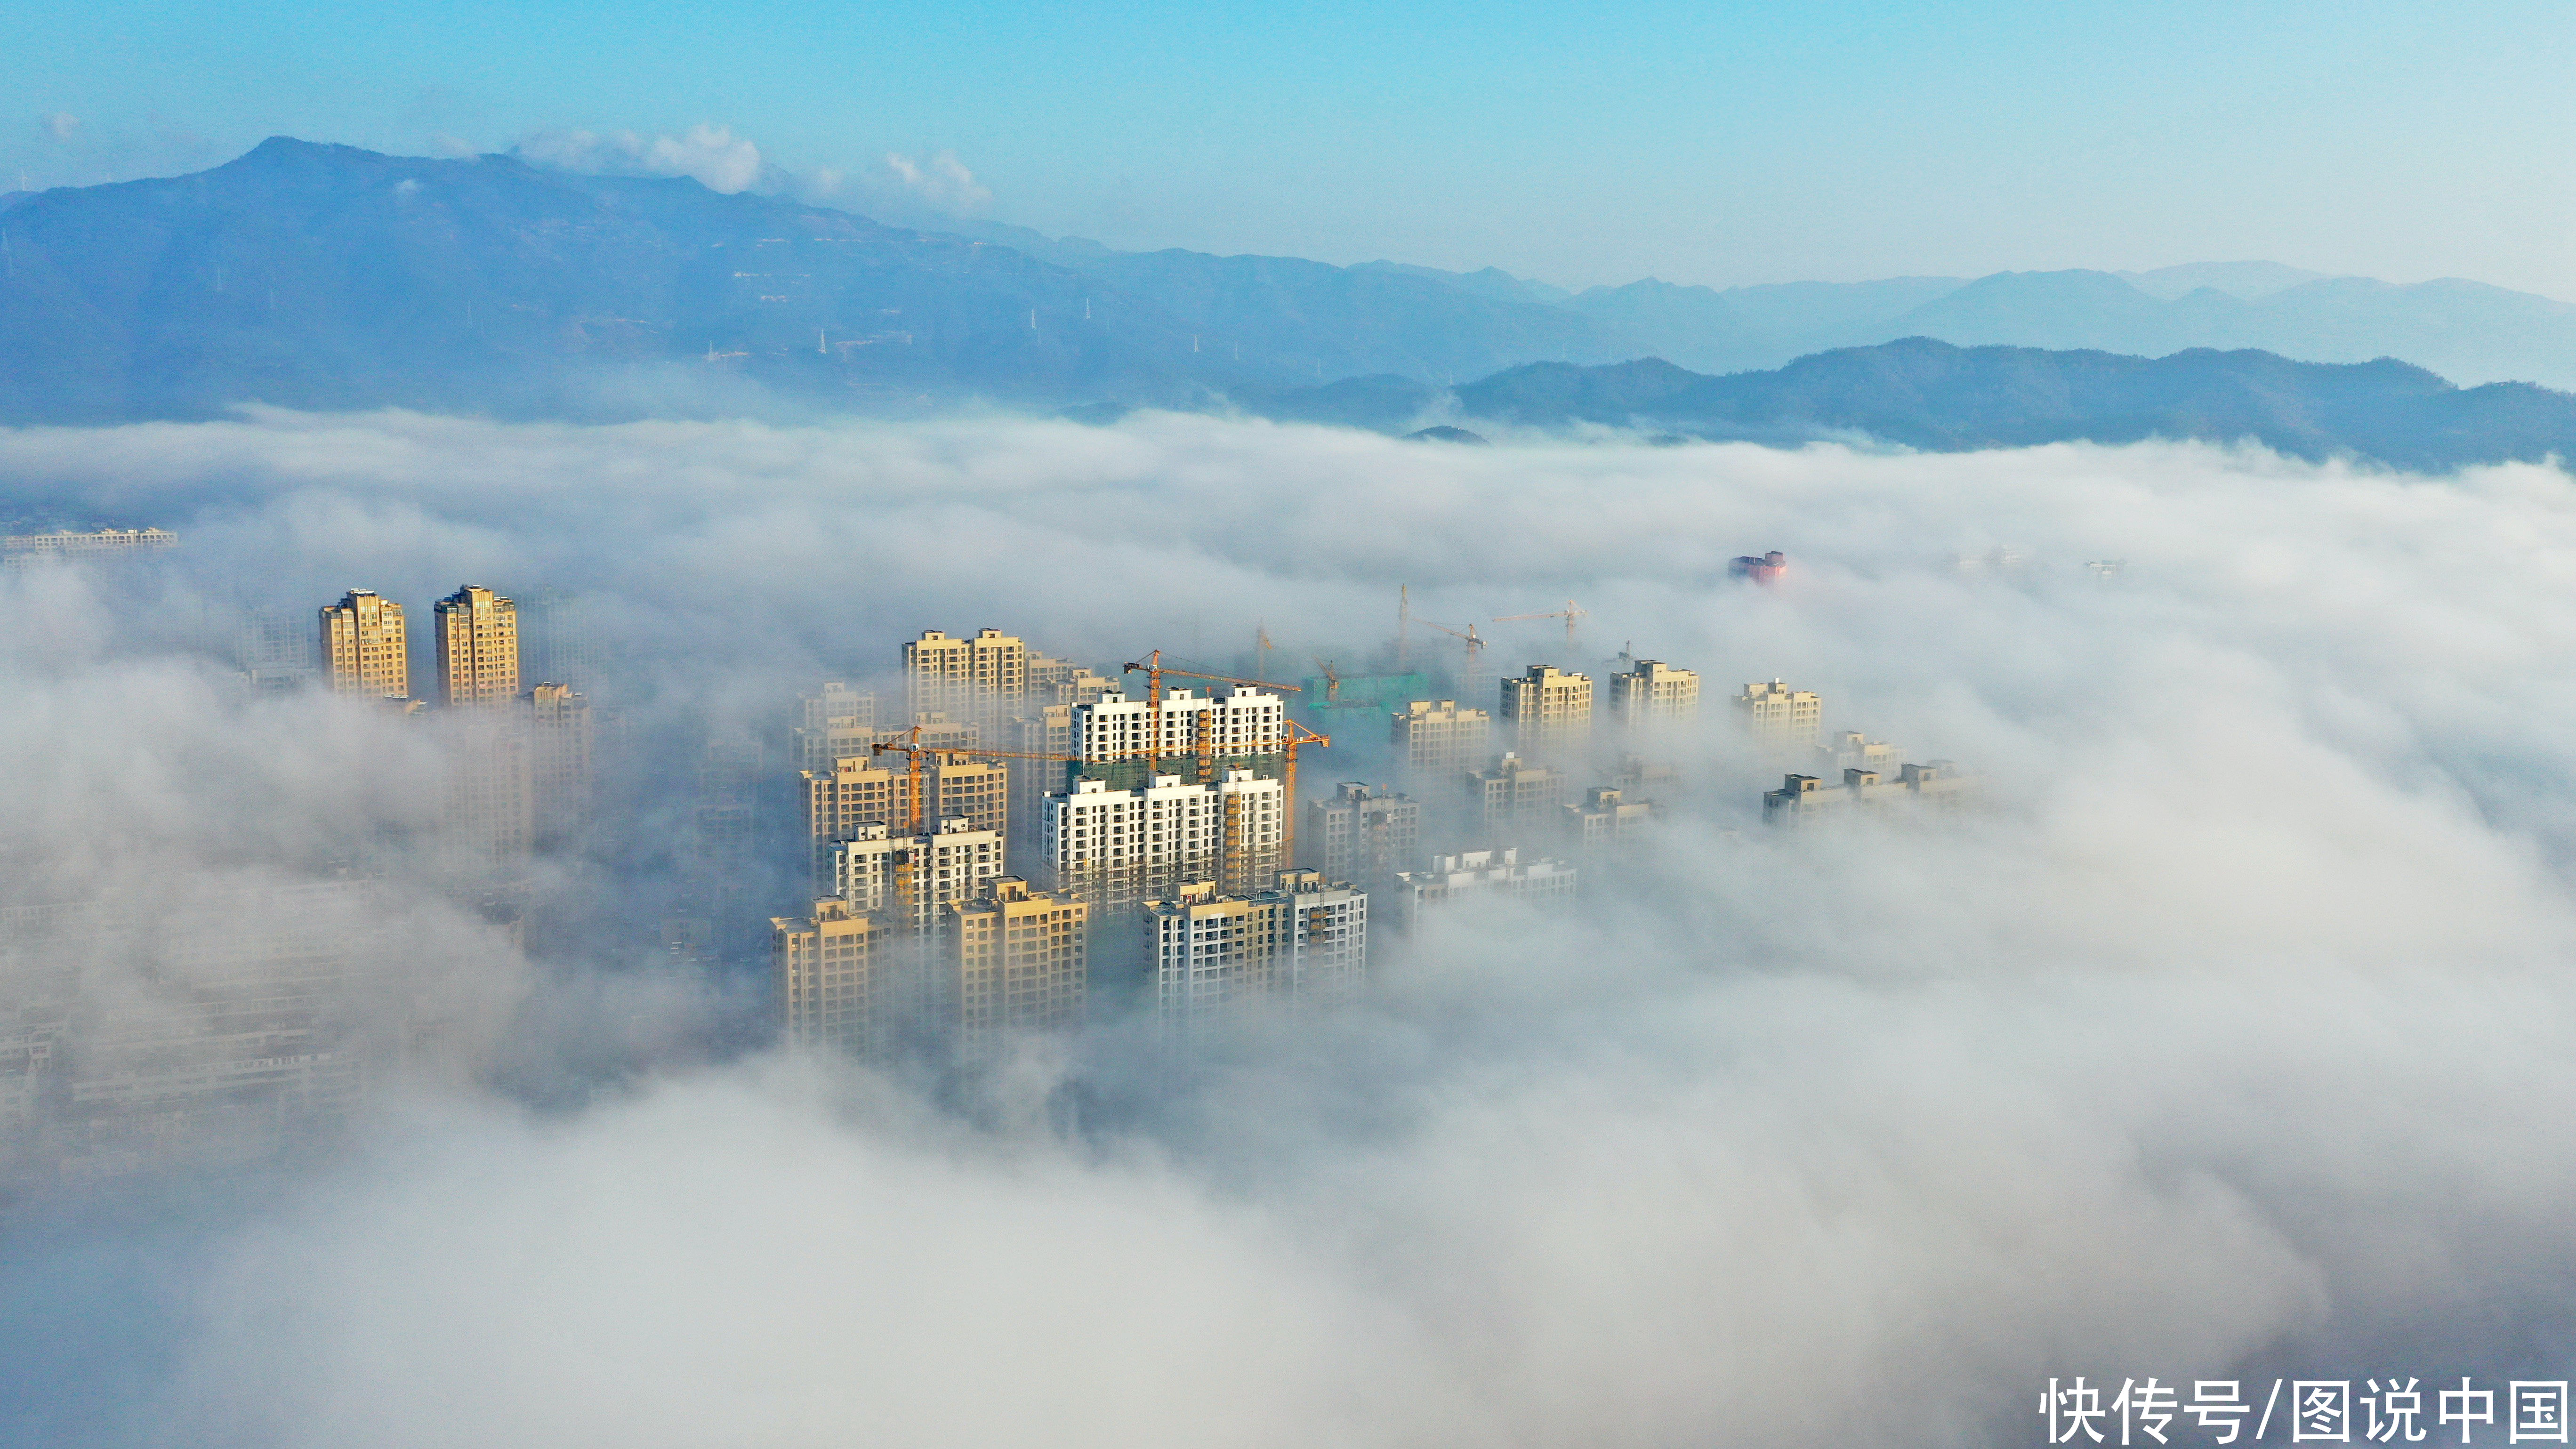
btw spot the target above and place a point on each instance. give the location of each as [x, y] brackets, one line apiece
[1304, 941]
[1234, 722]
[1117, 849]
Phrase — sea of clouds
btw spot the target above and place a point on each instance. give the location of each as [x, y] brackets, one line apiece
[2228, 1037]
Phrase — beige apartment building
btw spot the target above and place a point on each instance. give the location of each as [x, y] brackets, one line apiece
[1549, 712]
[1437, 740]
[1605, 820]
[1061, 681]
[861, 790]
[478, 648]
[984, 680]
[1780, 718]
[363, 648]
[1654, 694]
[837, 979]
[1020, 963]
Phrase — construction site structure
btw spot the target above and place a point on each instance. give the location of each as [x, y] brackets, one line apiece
[1569, 614]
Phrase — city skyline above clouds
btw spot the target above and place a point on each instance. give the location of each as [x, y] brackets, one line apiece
[1716, 145]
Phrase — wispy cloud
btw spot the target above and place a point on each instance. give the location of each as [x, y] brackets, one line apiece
[712, 155]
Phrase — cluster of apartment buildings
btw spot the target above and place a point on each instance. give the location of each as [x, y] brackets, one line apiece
[1029, 826]
[520, 760]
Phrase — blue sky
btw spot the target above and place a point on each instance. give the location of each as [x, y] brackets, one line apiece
[1710, 143]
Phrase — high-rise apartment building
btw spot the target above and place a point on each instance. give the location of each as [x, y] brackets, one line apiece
[837, 979]
[1481, 877]
[1780, 718]
[363, 649]
[860, 790]
[1364, 835]
[559, 754]
[1513, 796]
[984, 680]
[478, 648]
[1436, 740]
[1303, 941]
[1019, 961]
[1549, 712]
[1116, 849]
[1654, 694]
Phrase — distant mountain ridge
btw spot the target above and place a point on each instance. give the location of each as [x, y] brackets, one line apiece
[1930, 395]
[330, 277]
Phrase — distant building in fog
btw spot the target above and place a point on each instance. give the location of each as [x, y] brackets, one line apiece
[860, 790]
[364, 651]
[560, 741]
[1513, 796]
[1364, 834]
[1604, 820]
[1804, 798]
[1779, 717]
[1485, 876]
[1436, 740]
[1852, 750]
[1654, 694]
[839, 721]
[20, 550]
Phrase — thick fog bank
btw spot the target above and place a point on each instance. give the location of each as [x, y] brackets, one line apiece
[2228, 1035]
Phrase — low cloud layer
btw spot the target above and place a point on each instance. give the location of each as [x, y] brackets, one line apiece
[2228, 1038]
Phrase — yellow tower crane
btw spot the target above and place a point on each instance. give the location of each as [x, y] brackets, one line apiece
[1569, 614]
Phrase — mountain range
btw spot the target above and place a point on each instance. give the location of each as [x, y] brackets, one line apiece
[319, 276]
